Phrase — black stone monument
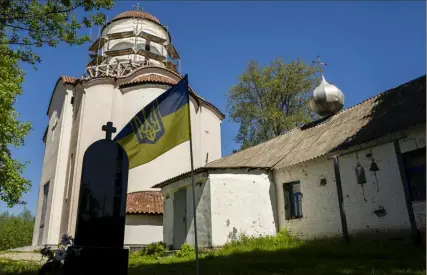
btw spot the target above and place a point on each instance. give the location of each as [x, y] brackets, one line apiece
[100, 228]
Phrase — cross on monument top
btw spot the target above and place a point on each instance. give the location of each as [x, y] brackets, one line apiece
[109, 129]
[137, 6]
[320, 63]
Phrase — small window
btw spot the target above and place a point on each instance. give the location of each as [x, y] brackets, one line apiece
[53, 130]
[69, 177]
[147, 46]
[415, 166]
[293, 200]
[44, 204]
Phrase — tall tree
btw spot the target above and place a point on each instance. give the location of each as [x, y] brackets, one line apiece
[24, 26]
[271, 100]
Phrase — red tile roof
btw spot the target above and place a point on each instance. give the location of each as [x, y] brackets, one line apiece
[136, 14]
[151, 78]
[145, 202]
[69, 79]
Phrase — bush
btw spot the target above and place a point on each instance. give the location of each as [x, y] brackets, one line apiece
[153, 249]
[16, 230]
[186, 250]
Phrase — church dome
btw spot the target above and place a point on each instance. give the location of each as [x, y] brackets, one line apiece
[136, 14]
[327, 99]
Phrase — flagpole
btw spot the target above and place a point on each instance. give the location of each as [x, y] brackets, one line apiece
[193, 184]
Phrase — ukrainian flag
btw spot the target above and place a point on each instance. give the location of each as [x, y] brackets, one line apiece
[160, 126]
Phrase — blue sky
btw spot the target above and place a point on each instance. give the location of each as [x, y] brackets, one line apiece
[369, 47]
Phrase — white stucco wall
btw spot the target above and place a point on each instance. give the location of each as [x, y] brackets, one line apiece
[130, 24]
[210, 136]
[420, 215]
[97, 104]
[136, 25]
[203, 214]
[203, 210]
[50, 162]
[143, 229]
[64, 136]
[416, 139]
[177, 160]
[319, 203]
[359, 210]
[241, 204]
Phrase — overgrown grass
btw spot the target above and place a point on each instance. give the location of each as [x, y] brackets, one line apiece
[18, 267]
[285, 254]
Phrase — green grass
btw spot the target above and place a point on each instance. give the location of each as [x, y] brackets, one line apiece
[18, 267]
[282, 254]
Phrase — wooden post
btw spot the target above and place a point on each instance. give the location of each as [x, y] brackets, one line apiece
[341, 200]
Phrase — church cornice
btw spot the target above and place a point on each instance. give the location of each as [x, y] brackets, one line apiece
[132, 80]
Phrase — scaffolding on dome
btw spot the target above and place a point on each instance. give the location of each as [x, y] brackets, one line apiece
[105, 61]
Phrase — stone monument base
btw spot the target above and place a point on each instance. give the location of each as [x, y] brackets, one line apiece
[94, 260]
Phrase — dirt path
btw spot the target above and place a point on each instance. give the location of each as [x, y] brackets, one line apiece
[22, 256]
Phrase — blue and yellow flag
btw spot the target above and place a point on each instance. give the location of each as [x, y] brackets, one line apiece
[161, 125]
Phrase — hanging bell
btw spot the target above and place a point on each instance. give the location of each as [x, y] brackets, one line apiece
[374, 166]
[360, 174]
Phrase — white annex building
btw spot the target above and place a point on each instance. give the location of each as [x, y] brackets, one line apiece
[357, 172]
[133, 62]
[353, 172]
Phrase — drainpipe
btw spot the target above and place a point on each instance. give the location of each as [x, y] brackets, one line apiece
[415, 234]
[340, 200]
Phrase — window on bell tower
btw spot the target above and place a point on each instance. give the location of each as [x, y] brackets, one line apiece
[53, 129]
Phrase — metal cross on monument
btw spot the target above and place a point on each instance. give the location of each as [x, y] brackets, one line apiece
[109, 129]
[137, 6]
[320, 64]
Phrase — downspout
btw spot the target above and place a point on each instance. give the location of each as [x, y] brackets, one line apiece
[415, 234]
[340, 200]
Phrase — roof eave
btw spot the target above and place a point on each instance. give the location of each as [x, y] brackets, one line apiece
[204, 169]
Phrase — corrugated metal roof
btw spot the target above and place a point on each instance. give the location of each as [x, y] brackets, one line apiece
[394, 110]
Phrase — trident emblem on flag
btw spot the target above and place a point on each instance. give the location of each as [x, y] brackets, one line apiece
[148, 128]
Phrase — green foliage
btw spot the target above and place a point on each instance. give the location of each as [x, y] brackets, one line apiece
[283, 240]
[24, 26]
[271, 100]
[12, 132]
[32, 23]
[186, 251]
[18, 267]
[153, 249]
[16, 230]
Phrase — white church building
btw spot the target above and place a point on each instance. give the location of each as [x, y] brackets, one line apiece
[353, 172]
[133, 62]
[358, 172]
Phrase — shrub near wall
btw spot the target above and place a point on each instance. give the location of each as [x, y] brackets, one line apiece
[16, 230]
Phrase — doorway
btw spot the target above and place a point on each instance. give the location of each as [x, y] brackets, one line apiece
[179, 218]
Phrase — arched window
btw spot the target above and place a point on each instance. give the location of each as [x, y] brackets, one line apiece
[121, 46]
